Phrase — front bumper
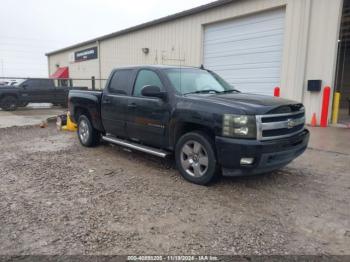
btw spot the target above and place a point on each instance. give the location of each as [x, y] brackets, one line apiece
[268, 155]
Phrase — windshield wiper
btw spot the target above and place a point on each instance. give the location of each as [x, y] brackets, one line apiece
[203, 91]
[229, 91]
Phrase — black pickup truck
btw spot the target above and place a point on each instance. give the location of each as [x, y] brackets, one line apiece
[33, 91]
[194, 115]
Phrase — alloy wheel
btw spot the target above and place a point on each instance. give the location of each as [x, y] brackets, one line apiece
[84, 131]
[194, 158]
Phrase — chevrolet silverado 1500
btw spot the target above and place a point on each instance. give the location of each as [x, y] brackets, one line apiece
[194, 115]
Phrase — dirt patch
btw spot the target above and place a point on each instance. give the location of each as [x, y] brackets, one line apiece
[28, 116]
[58, 197]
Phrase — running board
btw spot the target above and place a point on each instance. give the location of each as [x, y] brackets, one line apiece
[142, 148]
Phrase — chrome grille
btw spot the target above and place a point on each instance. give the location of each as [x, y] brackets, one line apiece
[277, 126]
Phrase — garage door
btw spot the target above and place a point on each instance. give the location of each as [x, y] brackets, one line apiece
[247, 52]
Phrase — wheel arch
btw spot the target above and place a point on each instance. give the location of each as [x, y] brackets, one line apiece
[95, 120]
[78, 111]
[8, 94]
[184, 127]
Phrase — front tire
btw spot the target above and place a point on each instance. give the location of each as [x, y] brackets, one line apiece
[23, 104]
[9, 103]
[195, 158]
[87, 134]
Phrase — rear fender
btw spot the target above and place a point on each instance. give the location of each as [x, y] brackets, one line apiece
[87, 104]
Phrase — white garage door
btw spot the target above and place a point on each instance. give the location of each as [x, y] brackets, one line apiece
[247, 51]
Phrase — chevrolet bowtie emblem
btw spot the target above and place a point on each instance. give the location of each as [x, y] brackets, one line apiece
[291, 123]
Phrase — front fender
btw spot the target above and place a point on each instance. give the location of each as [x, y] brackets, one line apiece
[187, 120]
[9, 93]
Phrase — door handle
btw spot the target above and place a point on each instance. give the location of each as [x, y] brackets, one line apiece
[106, 101]
[132, 105]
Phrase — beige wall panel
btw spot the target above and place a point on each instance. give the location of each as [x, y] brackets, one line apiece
[309, 50]
[85, 69]
[321, 51]
[174, 42]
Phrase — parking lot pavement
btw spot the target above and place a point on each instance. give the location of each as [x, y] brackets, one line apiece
[330, 139]
[33, 114]
[58, 197]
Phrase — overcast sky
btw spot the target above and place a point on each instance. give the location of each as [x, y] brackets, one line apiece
[31, 28]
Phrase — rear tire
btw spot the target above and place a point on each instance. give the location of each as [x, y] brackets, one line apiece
[196, 159]
[87, 134]
[9, 103]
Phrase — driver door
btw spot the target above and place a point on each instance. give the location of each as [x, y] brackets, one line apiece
[32, 91]
[147, 116]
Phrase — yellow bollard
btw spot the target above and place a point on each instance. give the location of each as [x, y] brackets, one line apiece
[335, 113]
[70, 126]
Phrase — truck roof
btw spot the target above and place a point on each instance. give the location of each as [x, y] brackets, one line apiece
[156, 67]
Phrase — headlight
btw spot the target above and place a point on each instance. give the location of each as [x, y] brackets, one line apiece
[241, 126]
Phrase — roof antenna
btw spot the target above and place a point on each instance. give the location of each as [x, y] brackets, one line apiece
[180, 69]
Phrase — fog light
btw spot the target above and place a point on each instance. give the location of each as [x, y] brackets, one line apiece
[247, 161]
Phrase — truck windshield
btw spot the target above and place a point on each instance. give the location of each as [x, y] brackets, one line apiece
[196, 81]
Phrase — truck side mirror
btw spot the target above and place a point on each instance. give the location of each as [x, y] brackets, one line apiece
[24, 86]
[153, 91]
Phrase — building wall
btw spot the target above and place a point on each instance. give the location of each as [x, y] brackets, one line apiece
[322, 47]
[309, 50]
[79, 70]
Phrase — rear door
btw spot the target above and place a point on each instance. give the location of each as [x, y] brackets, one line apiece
[61, 93]
[33, 91]
[48, 91]
[147, 116]
[115, 101]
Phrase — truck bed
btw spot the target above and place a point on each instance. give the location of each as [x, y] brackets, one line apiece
[86, 100]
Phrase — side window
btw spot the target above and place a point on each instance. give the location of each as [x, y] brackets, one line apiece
[121, 82]
[43, 83]
[31, 84]
[47, 83]
[145, 78]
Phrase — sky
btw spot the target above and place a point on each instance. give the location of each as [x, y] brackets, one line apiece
[31, 28]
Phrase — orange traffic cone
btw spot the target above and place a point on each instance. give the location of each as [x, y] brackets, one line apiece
[313, 120]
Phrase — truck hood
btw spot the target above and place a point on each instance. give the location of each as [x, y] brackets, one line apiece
[249, 103]
[7, 87]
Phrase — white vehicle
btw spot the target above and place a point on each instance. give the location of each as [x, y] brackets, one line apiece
[15, 82]
[11, 82]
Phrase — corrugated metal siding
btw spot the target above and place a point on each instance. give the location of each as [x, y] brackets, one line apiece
[247, 51]
[309, 24]
[170, 43]
[85, 69]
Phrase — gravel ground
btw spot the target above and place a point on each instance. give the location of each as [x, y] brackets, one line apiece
[60, 198]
